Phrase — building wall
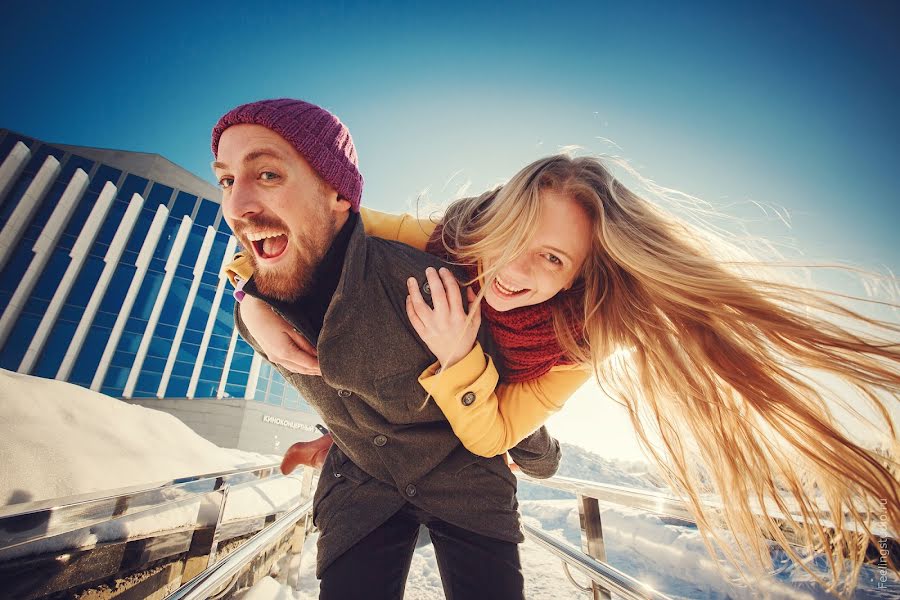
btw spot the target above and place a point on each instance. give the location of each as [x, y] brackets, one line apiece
[128, 313]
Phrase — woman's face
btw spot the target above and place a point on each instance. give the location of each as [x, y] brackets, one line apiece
[552, 260]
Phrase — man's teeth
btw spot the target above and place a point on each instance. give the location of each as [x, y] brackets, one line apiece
[507, 288]
[261, 235]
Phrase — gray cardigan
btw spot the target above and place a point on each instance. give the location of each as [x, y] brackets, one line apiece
[391, 446]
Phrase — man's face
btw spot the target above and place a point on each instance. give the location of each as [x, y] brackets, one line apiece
[281, 211]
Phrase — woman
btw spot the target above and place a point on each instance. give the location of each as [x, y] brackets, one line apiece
[704, 353]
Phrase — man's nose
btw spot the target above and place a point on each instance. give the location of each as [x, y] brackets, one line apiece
[240, 201]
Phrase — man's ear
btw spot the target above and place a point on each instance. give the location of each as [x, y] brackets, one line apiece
[341, 205]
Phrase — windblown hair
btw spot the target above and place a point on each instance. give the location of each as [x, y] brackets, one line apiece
[708, 354]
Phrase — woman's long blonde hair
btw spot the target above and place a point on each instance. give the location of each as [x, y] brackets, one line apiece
[708, 356]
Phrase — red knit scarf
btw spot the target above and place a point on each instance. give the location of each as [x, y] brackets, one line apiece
[525, 337]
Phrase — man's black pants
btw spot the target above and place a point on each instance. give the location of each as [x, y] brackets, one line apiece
[472, 566]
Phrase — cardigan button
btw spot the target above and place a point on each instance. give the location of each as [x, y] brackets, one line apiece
[411, 490]
[345, 393]
[426, 289]
[468, 398]
[380, 440]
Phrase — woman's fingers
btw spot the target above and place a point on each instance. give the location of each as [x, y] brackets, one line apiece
[414, 317]
[474, 307]
[438, 295]
[422, 310]
[453, 293]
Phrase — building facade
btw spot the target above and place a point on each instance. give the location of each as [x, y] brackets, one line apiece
[110, 278]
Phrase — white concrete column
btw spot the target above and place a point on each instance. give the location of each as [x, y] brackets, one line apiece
[111, 260]
[253, 379]
[199, 267]
[224, 380]
[142, 262]
[213, 313]
[12, 167]
[20, 218]
[78, 254]
[171, 264]
[43, 248]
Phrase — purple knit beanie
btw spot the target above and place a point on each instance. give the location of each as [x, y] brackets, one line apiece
[317, 135]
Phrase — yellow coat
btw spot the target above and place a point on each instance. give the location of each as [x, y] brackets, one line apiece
[503, 414]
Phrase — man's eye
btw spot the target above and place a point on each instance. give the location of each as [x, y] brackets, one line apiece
[226, 182]
[269, 176]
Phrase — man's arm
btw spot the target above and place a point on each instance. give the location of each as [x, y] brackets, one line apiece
[537, 455]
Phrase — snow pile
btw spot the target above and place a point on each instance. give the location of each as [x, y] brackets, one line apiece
[59, 439]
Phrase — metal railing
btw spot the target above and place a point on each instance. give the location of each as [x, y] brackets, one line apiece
[35, 534]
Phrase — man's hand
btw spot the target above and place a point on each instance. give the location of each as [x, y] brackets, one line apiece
[311, 454]
[281, 343]
[446, 329]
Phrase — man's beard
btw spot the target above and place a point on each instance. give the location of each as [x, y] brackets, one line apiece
[294, 279]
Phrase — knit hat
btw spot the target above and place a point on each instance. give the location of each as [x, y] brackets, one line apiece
[318, 136]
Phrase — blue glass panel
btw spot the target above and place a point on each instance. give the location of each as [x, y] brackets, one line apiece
[104, 319]
[51, 276]
[114, 383]
[54, 349]
[79, 216]
[191, 336]
[89, 357]
[206, 214]
[219, 342]
[183, 368]
[38, 157]
[77, 162]
[146, 297]
[159, 346]
[117, 289]
[241, 362]
[153, 364]
[10, 140]
[133, 184]
[159, 194]
[183, 205]
[124, 357]
[109, 227]
[13, 197]
[71, 313]
[234, 390]
[107, 173]
[166, 243]
[206, 389]
[147, 384]
[215, 358]
[177, 387]
[83, 288]
[202, 304]
[138, 236]
[46, 209]
[211, 373]
[18, 341]
[14, 270]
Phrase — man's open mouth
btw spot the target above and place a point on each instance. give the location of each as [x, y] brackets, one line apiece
[268, 245]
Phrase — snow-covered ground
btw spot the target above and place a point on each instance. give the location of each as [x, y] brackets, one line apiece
[58, 439]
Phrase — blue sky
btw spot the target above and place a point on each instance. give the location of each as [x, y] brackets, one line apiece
[791, 106]
[786, 105]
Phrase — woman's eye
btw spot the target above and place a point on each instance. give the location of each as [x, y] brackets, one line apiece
[553, 259]
[269, 176]
[226, 182]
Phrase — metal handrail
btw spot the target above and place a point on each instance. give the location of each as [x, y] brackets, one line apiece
[29, 522]
[207, 582]
[599, 572]
[662, 504]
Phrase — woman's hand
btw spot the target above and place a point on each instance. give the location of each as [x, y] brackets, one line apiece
[279, 341]
[446, 329]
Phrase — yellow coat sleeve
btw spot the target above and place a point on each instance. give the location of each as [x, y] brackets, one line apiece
[401, 228]
[488, 418]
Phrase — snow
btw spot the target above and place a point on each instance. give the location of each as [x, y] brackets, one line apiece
[60, 439]
[57, 439]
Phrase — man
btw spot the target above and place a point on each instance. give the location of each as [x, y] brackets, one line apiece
[291, 193]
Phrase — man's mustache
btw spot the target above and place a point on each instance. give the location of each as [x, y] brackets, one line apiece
[260, 223]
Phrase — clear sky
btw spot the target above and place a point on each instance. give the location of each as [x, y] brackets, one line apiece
[787, 105]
